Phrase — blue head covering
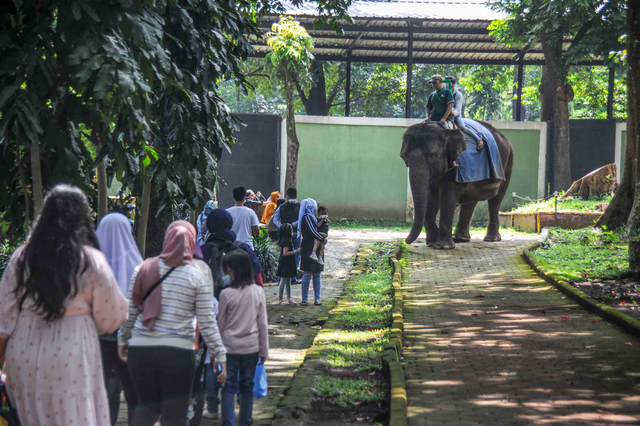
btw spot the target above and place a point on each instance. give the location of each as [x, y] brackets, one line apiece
[219, 223]
[201, 223]
[308, 206]
[119, 247]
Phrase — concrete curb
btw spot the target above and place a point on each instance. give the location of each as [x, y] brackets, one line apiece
[610, 314]
[393, 350]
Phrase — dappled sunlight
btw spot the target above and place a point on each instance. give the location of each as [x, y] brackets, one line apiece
[488, 343]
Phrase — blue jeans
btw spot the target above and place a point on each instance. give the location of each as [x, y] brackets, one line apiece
[297, 242]
[211, 389]
[240, 372]
[306, 277]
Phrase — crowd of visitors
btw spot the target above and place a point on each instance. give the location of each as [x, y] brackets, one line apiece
[193, 323]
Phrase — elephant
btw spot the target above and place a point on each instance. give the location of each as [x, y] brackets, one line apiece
[427, 150]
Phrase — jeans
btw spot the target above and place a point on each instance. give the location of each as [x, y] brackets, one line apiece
[117, 379]
[306, 277]
[163, 379]
[285, 283]
[211, 389]
[240, 372]
[460, 124]
[297, 242]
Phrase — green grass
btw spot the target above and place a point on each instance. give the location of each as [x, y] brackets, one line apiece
[575, 204]
[361, 316]
[378, 224]
[584, 254]
[346, 392]
[357, 336]
[356, 356]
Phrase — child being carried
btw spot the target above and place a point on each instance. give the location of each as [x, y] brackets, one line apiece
[323, 229]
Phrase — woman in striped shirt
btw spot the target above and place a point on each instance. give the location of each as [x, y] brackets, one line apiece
[157, 340]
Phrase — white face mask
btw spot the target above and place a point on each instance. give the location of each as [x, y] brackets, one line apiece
[226, 280]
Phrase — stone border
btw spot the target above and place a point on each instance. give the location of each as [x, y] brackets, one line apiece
[610, 314]
[392, 353]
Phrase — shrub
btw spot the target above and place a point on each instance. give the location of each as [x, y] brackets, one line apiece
[268, 255]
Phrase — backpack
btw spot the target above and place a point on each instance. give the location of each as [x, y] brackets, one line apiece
[219, 249]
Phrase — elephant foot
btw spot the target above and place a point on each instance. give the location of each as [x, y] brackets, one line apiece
[430, 243]
[493, 237]
[462, 237]
[444, 245]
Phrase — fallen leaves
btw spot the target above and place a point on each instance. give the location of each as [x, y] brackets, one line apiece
[593, 322]
[564, 317]
[479, 296]
[542, 312]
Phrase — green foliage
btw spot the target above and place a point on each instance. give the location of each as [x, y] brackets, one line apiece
[488, 90]
[268, 255]
[584, 254]
[292, 48]
[6, 251]
[346, 392]
[356, 356]
[573, 203]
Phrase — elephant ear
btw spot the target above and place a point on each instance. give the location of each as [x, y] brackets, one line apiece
[455, 144]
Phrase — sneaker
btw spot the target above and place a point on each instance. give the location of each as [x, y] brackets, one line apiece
[320, 261]
[290, 302]
[313, 256]
[281, 302]
[317, 302]
[303, 303]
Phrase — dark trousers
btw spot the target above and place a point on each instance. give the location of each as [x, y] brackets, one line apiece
[163, 380]
[240, 372]
[117, 379]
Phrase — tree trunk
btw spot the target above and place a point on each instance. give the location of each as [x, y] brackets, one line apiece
[316, 102]
[23, 182]
[36, 176]
[563, 94]
[633, 134]
[292, 138]
[619, 209]
[546, 95]
[103, 199]
[144, 211]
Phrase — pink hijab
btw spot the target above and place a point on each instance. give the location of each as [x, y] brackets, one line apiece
[179, 242]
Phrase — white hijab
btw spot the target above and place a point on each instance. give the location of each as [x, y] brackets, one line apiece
[119, 247]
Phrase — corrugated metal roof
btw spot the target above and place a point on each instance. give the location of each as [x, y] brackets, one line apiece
[442, 31]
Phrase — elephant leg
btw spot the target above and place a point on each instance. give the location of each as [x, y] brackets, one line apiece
[464, 219]
[493, 229]
[433, 205]
[448, 201]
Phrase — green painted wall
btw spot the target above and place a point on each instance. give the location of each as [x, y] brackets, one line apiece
[524, 177]
[356, 171]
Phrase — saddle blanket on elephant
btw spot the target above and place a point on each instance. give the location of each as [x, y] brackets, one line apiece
[474, 165]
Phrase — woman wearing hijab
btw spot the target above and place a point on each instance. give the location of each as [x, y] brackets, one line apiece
[56, 296]
[157, 340]
[311, 269]
[219, 225]
[201, 222]
[120, 249]
[271, 207]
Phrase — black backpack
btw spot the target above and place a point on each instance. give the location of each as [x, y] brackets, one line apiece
[219, 249]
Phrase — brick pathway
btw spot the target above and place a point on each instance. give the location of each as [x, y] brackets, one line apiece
[520, 354]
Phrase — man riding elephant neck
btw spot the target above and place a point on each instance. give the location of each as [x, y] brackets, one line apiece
[440, 102]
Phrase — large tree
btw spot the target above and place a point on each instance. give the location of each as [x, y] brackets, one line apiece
[568, 31]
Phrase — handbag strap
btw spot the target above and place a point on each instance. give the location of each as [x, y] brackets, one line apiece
[157, 284]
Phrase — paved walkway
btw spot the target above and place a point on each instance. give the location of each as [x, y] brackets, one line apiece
[488, 342]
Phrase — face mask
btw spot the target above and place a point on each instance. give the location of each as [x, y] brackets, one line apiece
[226, 280]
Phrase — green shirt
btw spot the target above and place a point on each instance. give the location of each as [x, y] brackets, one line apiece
[438, 102]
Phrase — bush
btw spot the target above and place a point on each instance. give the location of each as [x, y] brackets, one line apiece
[6, 250]
[268, 254]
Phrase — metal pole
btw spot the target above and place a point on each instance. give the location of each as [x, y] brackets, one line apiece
[612, 78]
[347, 106]
[519, 89]
[409, 70]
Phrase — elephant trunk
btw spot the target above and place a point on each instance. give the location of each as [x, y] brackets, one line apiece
[419, 181]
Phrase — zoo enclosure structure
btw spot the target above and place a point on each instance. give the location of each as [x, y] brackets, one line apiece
[417, 32]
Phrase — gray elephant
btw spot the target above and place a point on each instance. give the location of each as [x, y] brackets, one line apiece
[428, 149]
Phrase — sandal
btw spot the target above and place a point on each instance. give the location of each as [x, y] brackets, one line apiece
[303, 303]
[317, 302]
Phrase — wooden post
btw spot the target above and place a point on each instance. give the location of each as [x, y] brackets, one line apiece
[409, 70]
[347, 105]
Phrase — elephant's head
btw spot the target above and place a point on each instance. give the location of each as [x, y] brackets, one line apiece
[428, 149]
